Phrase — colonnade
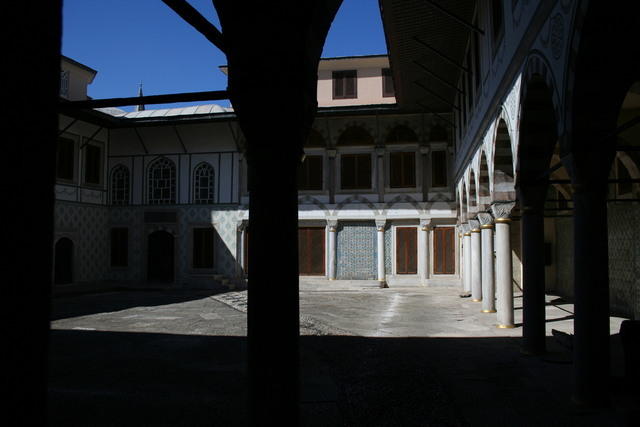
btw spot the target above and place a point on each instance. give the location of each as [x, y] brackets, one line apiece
[487, 263]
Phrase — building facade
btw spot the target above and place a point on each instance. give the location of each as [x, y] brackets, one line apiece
[161, 196]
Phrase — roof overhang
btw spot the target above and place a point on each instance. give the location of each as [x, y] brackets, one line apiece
[420, 72]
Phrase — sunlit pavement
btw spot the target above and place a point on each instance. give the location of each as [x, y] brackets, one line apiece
[369, 356]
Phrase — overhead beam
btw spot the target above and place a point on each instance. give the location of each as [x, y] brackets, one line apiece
[429, 110]
[455, 17]
[197, 21]
[213, 95]
[442, 55]
[451, 104]
[437, 77]
[91, 138]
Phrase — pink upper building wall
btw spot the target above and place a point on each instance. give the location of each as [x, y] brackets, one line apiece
[369, 81]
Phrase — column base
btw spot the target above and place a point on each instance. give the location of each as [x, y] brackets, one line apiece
[506, 326]
[330, 278]
[476, 300]
[489, 311]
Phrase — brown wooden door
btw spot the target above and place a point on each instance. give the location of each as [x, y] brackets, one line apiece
[406, 250]
[444, 250]
[311, 251]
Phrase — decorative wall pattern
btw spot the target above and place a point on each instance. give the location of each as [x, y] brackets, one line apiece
[86, 226]
[624, 260]
[356, 250]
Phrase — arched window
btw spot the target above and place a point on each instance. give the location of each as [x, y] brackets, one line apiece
[120, 185]
[203, 180]
[161, 182]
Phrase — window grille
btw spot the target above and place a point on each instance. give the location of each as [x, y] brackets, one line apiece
[203, 180]
[120, 185]
[162, 182]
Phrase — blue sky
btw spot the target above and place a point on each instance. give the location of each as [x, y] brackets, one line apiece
[133, 41]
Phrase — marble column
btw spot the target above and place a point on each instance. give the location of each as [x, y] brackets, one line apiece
[466, 253]
[488, 277]
[332, 227]
[380, 173]
[476, 262]
[240, 249]
[423, 250]
[504, 267]
[382, 278]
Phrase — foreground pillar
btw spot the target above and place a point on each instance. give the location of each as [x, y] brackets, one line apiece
[533, 283]
[504, 267]
[488, 276]
[466, 248]
[476, 262]
[332, 227]
[380, 223]
[256, 34]
[591, 272]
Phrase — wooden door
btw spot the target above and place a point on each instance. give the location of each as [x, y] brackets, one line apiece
[406, 250]
[444, 250]
[311, 251]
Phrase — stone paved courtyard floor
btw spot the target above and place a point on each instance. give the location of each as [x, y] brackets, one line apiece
[369, 356]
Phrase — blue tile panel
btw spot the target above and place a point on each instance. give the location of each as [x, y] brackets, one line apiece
[356, 250]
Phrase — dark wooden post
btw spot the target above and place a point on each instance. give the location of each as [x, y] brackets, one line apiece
[273, 54]
[31, 118]
[533, 304]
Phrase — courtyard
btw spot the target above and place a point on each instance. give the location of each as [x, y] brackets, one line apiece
[369, 356]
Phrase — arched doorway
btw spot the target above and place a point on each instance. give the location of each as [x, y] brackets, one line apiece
[63, 261]
[160, 257]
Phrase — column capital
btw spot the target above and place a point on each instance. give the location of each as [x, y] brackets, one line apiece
[332, 223]
[424, 150]
[465, 229]
[380, 151]
[425, 224]
[474, 225]
[380, 223]
[485, 219]
[502, 210]
[242, 225]
[331, 153]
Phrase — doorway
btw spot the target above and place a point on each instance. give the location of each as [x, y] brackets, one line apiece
[406, 250]
[160, 257]
[311, 251]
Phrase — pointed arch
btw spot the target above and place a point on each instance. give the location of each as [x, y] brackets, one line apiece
[503, 170]
[355, 135]
[204, 177]
[120, 185]
[161, 182]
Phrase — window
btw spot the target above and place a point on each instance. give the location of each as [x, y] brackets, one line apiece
[310, 173]
[387, 83]
[64, 84]
[119, 247]
[120, 185]
[92, 164]
[203, 239]
[355, 171]
[439, 168]
[162, 182]
[203, 180]
[65, 155]
[344, 84]
[402, 169]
